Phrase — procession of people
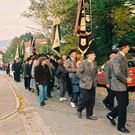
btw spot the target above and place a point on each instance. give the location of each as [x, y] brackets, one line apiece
[78, 78]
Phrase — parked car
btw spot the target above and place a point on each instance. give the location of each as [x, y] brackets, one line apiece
[131, 71]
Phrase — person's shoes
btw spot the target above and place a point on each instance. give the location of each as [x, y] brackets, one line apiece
[42, 104]
[111, 119]
[64, 99]
[77, 104]
[105, 104]
[32, 90]
[29, 89]
[72, 105]
[91, 117]
[111, 108]
[61, 99]
[79, 114]
[49, 96]
[124, 130]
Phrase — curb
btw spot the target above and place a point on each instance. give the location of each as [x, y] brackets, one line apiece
[16, 100]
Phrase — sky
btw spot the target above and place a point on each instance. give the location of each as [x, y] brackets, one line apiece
[11, 22]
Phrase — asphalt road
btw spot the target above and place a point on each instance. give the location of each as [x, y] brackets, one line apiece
[55, 118]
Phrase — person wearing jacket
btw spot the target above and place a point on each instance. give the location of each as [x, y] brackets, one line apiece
[119, 82]
[33, 85]
[61, 74]
[87, 73]
[70, 66]
[75, 88]
[42, 77]
[109, 99]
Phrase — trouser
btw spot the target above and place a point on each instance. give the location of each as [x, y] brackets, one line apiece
[17, 76]
[49, 88]
[121, 109]
[42, 92]
[75, 97]
[63, 87]
[109, 99]
[27, 82]
[52, 83]
[56, 81]
[69, 87]
[87, 100]
[33, 83]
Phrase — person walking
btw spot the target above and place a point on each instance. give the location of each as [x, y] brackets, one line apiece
[42, 77]
[75, 88]
[16, 68]
[51, 81]
[87, 73]
[70, 66]
[33, 82]
[25, 74]
[109, 99]
[119, 82]
[61, 73]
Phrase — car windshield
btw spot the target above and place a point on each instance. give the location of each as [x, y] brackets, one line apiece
[131, 64]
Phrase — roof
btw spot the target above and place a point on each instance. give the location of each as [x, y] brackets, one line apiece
[1, 52]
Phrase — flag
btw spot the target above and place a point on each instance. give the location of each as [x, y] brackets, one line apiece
[27, 48]
[33, 45]
[83, 25]
[22, 49]
[56, 36]
[17, 52]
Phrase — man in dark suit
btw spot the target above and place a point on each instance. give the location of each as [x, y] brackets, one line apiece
[119, 82]
[16, 68]
[87, 73]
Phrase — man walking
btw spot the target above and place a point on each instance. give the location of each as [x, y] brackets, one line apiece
[119, 82]
[71, 67]
[16, 68]
[87, 73]
[109, 99]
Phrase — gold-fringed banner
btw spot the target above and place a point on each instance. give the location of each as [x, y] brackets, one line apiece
[84, 25]
[56, 37]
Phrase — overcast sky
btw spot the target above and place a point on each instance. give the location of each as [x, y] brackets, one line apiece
[11, 22]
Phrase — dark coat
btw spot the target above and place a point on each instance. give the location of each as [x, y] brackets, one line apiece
[42, 74]
[27, 70]
[16, 67]
[61, 73]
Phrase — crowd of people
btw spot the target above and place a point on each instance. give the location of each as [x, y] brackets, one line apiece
[78, 78]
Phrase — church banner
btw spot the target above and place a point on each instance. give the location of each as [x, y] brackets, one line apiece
[84, 25]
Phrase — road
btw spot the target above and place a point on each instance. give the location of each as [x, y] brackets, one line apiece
[55, 118]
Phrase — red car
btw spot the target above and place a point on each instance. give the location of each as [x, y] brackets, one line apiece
[131, 70]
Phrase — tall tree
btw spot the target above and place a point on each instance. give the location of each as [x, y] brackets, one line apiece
[106, 26]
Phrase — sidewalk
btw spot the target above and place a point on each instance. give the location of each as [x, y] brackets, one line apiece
[8, 99]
